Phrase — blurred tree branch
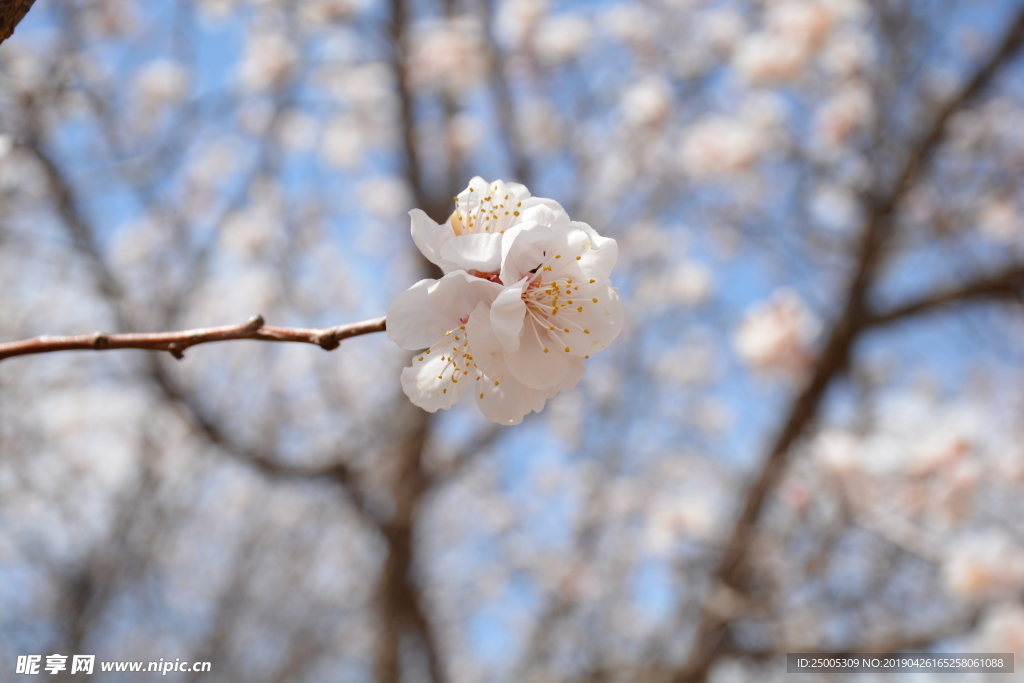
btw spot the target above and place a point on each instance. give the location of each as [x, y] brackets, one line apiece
[84, 241]
[1005, 283]
[175, 343]
[732, 571]
[11, 14]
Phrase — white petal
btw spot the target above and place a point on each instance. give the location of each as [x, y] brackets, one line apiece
[523, 250]
[506, 401]
[599, 260]
[480, 251]
[507, 240]
[577, 368]
[546, 212]
[531, 364]
[508, 311]
[457, 294]
[478, 184]
[518, 190]
[488, 353]
[414, 321]
[430, 237]
[428, 382]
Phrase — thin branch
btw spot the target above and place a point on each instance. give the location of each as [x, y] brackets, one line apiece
[175, 343]
[1006, 283]
[11, 14]
[338, 472]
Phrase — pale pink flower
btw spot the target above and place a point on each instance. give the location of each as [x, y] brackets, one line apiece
[984, 566]
[999, 219]
[561, 39]
[449, 318]
[777, 334]
[557, 306]
[647, 102]
[766, 58]
[517, 19]
[719, 145]
[1001, 629]
[161, 83]
[794, 31]
[843, 114]
[269, 60]
[471, 237]
[448, 54]
[527, 299]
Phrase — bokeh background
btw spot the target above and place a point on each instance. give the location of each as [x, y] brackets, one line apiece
[808, 437]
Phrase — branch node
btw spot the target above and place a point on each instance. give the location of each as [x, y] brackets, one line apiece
[179, 354]
[254, 323]
[328, 341]
[100, 341]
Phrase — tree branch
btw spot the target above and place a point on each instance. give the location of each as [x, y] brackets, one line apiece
[11, 14]
[733, 570]
[1007, 282]
[175, 343]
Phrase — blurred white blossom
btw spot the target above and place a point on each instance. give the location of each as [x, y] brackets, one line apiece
[983, 566]
[844, 114]
[778, 334]
[794, 29]
[161, 83]
[268, 61]
[719, 145]
[1000, 219]
[561, 38]
[633, 24]
[647, 102]
[448, 55]
[343, 143]
[1001, 629]
[517, 19]
[297, 131]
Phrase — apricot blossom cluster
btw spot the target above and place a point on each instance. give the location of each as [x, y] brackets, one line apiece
[525, 299]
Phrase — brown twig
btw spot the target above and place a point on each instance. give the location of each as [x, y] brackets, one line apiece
[175, 343]
[11, 14]
[1007, 283]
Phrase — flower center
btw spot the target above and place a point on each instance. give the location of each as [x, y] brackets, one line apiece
[492, 277]
[492, 213]
[455, 354]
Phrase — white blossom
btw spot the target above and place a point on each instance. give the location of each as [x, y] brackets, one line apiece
[471, 238]
[985, 565]
[525, 300]
[449, 319]
[794, 31]
[777, 335]
[561, 39]
[448, 54]
[647, 102]
[161, 83]
[720, 145]
[269, 60]
[999, 219]
[558, 306]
